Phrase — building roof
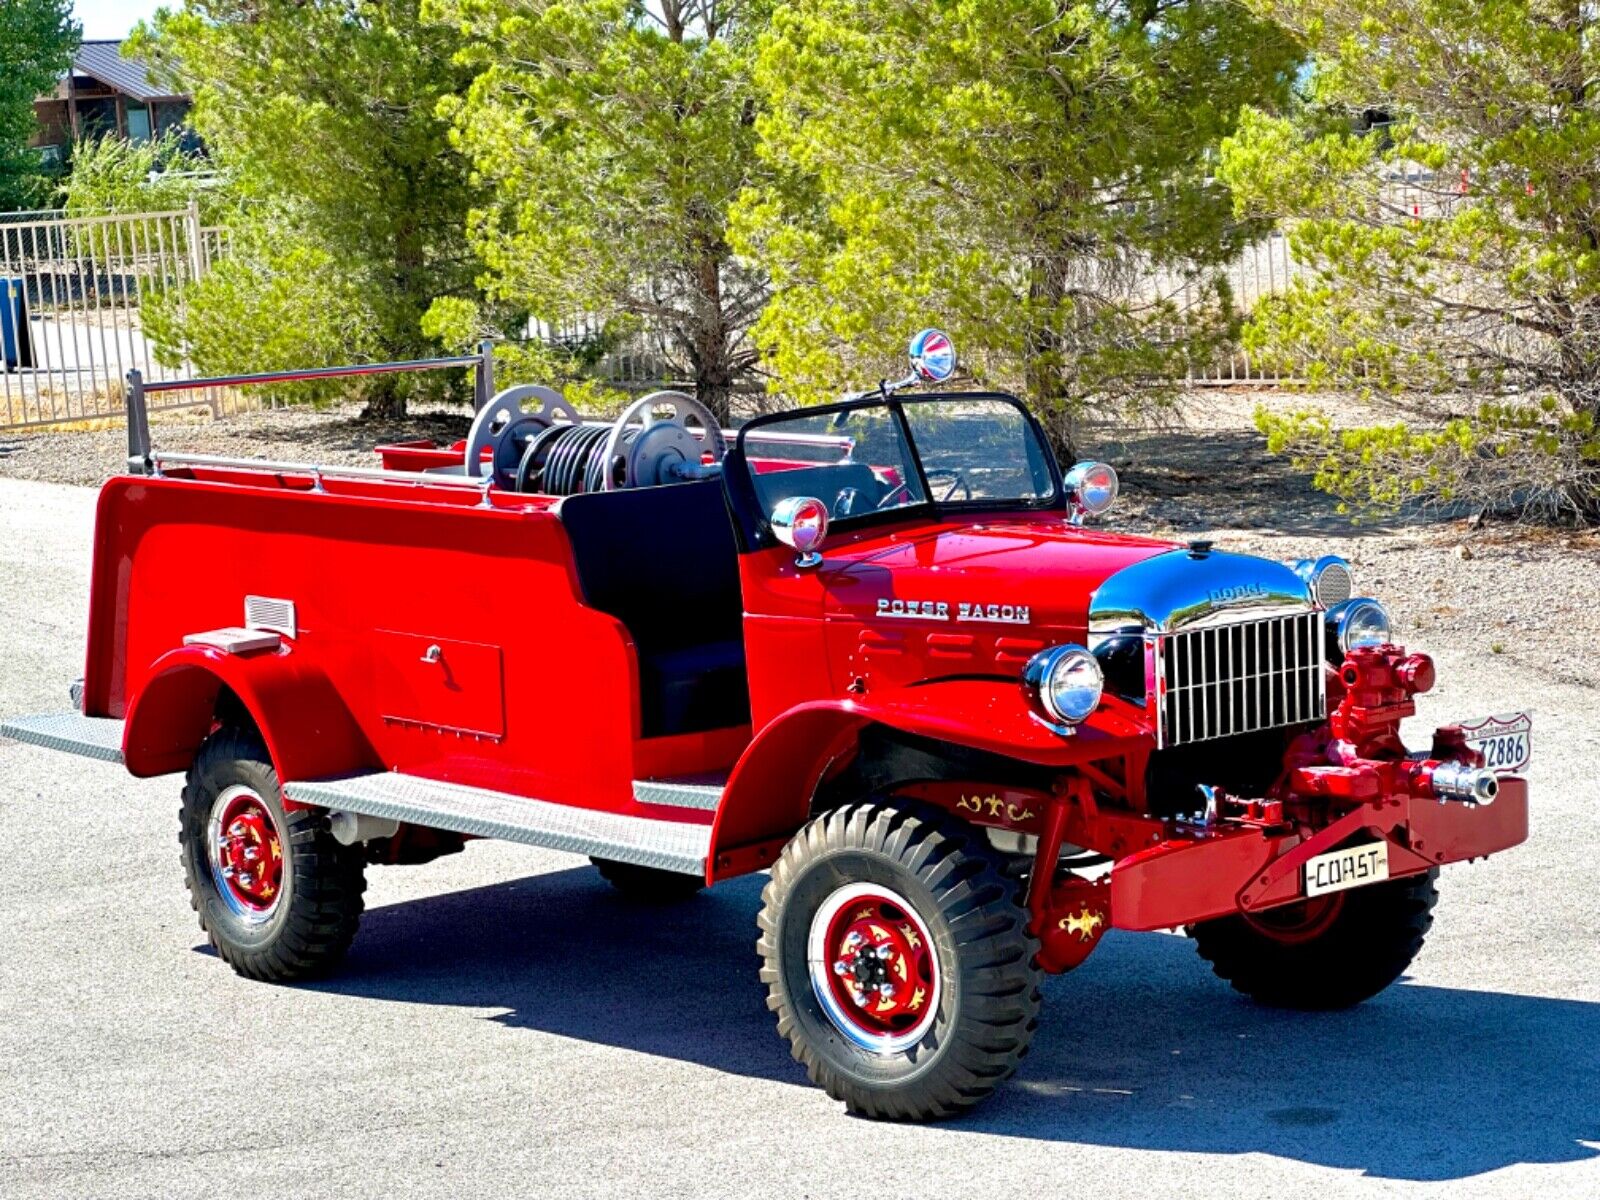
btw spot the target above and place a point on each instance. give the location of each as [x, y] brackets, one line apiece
[103, 61]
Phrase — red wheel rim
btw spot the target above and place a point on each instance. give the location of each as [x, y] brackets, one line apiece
[246, 851]
[874, 967]
[1304, 921]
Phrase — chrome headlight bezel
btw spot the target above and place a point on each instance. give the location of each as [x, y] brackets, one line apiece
[1345, 624]
[1064, 702]
[1329, 579]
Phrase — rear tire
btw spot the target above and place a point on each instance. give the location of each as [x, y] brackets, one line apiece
[1312, 957]
[845, 913]
[648, 885]
[291, 910]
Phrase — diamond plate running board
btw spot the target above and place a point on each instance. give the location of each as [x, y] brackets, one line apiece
[70, 732]
[665, 845]
[702, 792]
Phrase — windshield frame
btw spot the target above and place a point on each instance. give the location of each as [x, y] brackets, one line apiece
[755, 532]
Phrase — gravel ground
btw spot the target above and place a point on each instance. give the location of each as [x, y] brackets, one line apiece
[506, 1025]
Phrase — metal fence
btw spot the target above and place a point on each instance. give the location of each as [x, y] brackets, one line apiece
[72, 295]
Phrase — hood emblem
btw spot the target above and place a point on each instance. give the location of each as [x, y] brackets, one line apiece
[1239, 591]
[940, 610]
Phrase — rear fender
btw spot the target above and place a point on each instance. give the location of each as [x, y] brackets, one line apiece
[307, 729]
[769, 794]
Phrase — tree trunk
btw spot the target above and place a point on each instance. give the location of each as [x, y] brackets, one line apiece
[711, 341]
[386, 399]
[1044, 371]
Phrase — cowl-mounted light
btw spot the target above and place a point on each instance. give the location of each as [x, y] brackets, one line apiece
[1091, 490]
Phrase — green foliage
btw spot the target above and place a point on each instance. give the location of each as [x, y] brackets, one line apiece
[37, 41]
[458, 322]
[271, 304]
[1481, 284]
[1009, 169]
[325, 112]
[111, 174]
[613, 136]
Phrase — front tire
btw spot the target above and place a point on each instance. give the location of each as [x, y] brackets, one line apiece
[1326, 953]
[898, 960]
[278, 897]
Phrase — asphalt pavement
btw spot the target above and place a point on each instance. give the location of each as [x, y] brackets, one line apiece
[506, 1025]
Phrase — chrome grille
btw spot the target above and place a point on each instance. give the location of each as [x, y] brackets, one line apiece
[1231, 679]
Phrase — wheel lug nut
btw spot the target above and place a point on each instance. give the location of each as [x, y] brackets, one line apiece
[886, 990]
[841, 968]
[252, 853]
[885, 952]
[236, 829]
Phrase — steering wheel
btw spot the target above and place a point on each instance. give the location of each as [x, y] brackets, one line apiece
[646, 448]
[957, 477]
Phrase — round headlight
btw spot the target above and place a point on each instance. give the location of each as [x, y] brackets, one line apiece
[1092, 487]
[1064, 681]
[1328, 578]
[1357, 623]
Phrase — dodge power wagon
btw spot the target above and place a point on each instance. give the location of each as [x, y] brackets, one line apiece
[872, 648]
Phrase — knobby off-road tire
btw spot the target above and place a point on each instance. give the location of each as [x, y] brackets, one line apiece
[985, 1001]
[307, 923]
[1305, 960]
[648, 885]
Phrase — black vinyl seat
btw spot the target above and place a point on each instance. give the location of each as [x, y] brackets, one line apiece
[833, 485]
[663, 561]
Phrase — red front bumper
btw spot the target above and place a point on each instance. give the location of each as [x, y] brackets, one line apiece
[1245, 869]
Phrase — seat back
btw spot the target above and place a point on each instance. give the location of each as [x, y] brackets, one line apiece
[664, 562]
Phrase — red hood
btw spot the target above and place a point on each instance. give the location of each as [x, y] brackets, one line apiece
[1041, 564]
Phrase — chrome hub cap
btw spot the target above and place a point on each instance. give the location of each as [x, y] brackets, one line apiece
[246, 852]
[874, 968]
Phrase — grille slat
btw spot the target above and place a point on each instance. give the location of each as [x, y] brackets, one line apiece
[1232, 679]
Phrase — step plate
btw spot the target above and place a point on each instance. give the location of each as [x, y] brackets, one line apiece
[665, 845]
[72, 732]
[679, 793]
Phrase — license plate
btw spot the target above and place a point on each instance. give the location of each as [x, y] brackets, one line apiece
[1348, 868]
[1506, 742]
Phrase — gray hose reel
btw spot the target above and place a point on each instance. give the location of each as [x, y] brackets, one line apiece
[504, 424]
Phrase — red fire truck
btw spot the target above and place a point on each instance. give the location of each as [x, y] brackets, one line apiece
[872, 648]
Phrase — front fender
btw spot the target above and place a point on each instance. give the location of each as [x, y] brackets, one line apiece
[768, 796]
[308, 730]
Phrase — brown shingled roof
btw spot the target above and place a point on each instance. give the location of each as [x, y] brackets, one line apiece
[103, 61]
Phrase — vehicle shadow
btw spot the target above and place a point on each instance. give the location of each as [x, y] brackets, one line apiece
[1141, 1048]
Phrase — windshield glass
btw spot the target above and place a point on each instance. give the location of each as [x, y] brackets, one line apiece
[860, 461]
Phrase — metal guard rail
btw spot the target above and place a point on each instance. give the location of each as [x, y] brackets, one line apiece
[161, 459]
[141, 459]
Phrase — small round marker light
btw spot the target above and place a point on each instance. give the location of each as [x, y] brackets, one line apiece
[1328, 578]
[801, 523]
[933, 356]
[1091, 489]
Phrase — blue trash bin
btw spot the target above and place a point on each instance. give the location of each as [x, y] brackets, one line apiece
[16, 340]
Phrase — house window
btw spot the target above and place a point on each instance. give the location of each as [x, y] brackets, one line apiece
[138, 123]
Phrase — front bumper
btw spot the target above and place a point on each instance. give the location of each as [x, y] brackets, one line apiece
[1217, 873]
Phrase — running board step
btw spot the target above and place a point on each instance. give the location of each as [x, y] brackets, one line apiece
[691, 791]
[71, 732]
[665, 845]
